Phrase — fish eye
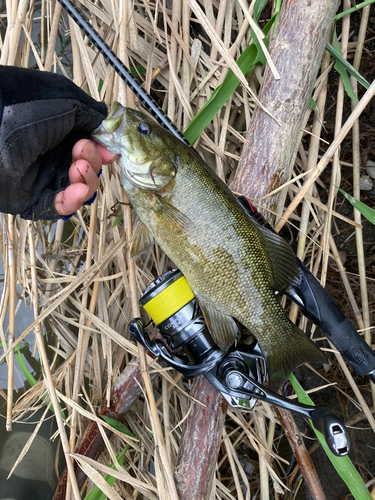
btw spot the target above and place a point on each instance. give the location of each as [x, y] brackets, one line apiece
[143, 129]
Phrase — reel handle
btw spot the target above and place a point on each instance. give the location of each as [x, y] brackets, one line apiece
[331, 426]
[333, 430]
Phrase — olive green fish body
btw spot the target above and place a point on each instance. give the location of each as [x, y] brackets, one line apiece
[232, 265]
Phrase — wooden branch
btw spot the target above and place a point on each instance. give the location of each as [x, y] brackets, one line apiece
[199, 448]
[302, 455]
[268, 154]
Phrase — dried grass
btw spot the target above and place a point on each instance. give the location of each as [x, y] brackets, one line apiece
[80, 280]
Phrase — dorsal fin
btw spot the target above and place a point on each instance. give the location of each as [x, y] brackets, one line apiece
[281, 259]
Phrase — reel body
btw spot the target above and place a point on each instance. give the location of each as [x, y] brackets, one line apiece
[239, 373]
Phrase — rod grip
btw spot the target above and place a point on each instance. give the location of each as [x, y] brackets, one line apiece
[336, 327]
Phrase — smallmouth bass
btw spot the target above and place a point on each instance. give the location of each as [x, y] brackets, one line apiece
[232, 265]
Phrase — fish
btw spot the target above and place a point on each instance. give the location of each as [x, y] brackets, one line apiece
[233, 265]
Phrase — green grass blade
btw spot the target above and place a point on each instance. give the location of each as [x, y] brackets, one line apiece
[117, 220]
[343, 465]
[246, 62]
[220, 96]
[29, 376]
[260, 53]
[342, 71]
[258, 7]
[353, 9]
[349, 68]
[96, 493]
[117, 425]
[313, 104]
[137, 70]
[366, 211]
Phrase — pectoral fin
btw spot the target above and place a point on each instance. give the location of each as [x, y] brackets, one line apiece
[223, 328]
[174, 217]
[142, 240]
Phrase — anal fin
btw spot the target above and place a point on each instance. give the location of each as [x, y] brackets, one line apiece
[288, 357]
[222, 327]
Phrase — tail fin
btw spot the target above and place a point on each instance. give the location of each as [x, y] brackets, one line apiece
[286, 359]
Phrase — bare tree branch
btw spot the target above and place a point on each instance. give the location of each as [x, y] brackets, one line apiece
[200, 443]
[268, 154]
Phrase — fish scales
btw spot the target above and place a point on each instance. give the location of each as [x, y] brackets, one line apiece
[232, 265]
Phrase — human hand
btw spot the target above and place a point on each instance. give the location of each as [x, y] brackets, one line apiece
[88, 158]
[43, 116]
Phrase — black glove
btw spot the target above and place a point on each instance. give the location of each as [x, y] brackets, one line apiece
[42, 116]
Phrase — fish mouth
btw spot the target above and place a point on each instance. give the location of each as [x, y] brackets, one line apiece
[146, 181]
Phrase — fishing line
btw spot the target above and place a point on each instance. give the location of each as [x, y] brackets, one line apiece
[168, 301]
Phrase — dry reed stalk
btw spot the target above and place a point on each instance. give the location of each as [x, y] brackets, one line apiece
[188, 64]
[328, 154]
[83, 335]
[336, 173]
[310, 162]
[46, 370]
[12, 315]
[356, 190]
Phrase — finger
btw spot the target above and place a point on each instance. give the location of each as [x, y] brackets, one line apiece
[95, 154]
[71, 199]
[87, 150]
[82, 171]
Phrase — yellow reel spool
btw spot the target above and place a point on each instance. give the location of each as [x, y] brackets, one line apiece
[169, 301]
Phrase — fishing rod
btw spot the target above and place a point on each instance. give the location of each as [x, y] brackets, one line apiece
[149, 103]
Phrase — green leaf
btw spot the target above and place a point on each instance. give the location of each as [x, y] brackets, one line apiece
[120, 427]
[29, 377]
[342, 71]
[21, 362]
[96, 493]
[343, 465]
[313, 104]
[367, 212]
[220, 95]
[258, 7]
[260, 53]
[349, 68]
[137, 70]
[117, 220]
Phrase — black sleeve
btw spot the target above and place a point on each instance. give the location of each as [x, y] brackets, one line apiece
[42, 116]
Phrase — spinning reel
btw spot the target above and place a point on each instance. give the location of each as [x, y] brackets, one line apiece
[238, 373]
